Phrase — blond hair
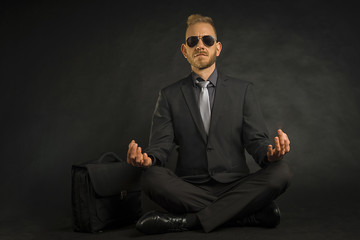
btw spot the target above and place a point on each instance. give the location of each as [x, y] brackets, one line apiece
[198, 18]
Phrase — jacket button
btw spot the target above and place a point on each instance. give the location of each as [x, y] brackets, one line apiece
[208, 149]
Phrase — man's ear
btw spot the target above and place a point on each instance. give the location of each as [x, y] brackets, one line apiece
[183, 50]
[218, 48]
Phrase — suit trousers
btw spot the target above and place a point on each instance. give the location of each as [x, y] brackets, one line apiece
[216, 203]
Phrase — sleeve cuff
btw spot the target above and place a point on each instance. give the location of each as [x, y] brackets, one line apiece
[154, 162]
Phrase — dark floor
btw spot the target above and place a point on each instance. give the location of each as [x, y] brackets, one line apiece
[330, 223]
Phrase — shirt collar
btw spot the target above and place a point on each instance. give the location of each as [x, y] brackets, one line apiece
[213, 77]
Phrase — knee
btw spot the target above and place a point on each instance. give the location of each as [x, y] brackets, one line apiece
[280, 176]
[148, 179]
[153, 179]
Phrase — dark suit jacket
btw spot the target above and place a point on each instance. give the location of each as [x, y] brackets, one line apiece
[236, 123]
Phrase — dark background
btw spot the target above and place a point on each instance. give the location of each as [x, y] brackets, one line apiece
[82, 78]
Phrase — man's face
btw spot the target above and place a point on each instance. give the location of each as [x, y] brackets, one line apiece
[201, 56]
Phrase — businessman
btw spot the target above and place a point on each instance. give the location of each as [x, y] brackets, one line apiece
[212, 119]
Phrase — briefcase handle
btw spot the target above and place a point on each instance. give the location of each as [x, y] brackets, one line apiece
[113, 155]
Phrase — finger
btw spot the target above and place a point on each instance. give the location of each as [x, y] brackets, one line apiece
[129, 151]
[147, 160]
[131, 143]
[141, 156]
[270, 150]
[281, 138]
[277, 146]
[133, 152]
[138, 156]
[286, 137]
[272, 153]
[269, 153]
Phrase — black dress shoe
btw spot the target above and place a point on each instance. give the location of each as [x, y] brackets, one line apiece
[267, 217]
[155, 222]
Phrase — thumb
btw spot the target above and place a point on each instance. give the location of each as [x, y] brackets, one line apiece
[147, 160]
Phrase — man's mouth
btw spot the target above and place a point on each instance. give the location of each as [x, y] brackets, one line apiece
[200, 54]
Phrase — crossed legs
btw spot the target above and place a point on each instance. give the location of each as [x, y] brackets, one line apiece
[216, 203]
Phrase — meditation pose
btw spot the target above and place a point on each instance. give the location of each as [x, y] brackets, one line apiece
[212, 119]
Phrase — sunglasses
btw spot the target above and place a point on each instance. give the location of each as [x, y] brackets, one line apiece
[207, 40]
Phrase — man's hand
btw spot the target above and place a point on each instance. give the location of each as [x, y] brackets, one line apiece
[136, 158]
[282, 146]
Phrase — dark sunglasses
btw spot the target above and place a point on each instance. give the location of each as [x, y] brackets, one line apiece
[207, 40]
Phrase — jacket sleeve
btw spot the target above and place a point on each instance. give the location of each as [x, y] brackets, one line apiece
[161, 140]
[255, 133]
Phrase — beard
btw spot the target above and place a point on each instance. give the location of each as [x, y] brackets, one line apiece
[201, 64]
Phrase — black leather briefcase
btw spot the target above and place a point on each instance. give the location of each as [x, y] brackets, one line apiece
[105, 194]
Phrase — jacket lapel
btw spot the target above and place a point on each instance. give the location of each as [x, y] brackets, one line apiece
[221, 98]
[187, 89]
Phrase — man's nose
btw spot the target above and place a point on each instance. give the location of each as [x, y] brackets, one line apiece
[200, 44]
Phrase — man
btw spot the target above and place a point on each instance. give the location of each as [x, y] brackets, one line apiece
[212, 118]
